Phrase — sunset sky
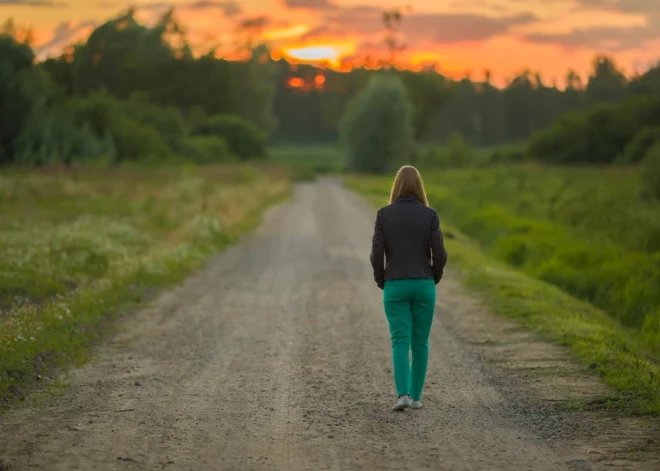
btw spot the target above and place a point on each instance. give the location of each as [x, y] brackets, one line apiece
[505, 36]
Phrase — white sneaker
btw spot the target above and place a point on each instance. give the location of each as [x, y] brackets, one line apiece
[404, 403]
[415, 405]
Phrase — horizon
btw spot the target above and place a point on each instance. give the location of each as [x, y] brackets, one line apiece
[457, 39]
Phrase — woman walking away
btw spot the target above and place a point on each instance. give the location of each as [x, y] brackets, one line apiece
[408, 239]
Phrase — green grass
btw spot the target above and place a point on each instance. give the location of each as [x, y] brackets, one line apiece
[307, 162]
[626, 358]
[78, 247]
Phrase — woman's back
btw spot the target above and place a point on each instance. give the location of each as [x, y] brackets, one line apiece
[410, 234]
[407, 241]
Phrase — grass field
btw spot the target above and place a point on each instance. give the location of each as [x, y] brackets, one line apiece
[80, 246]
[533, 240]
[307, 161]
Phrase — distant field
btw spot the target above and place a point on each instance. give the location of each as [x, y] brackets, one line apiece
[307, 161]
[589, 232]
[77, 244]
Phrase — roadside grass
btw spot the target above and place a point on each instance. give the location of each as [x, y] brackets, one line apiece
[81, 246]
[306, 162]
[619, 355]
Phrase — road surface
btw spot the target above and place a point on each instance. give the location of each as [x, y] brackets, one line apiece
[277, 357]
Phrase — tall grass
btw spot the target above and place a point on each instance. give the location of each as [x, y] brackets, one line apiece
[75, 244]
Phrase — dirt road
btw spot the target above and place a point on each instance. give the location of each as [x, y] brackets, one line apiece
[277, 357]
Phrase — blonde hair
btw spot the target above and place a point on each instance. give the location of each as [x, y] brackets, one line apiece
[408, 181]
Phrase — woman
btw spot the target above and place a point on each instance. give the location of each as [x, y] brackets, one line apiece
[407, 237]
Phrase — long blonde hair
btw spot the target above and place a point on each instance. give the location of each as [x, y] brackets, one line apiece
[408, 181]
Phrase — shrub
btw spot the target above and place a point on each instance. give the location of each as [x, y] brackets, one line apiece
[432, 156]
[601, 134]
[109, 120]
[243, 138]
[134, 141]
[459, 152]
[508, 153]
[206, 150]
[376, 128]
[169, 121]
[636, 149]
[563, 142]
[55, 137]
[608, 132]
[651, 170]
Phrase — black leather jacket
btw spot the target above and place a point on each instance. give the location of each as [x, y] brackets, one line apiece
[408, 239]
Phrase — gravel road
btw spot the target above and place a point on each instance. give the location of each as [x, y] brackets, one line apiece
[277, 357]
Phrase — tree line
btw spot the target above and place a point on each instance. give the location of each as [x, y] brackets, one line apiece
[131, 91]
[482, 113]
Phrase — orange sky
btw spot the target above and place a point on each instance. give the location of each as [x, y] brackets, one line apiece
[458, 36]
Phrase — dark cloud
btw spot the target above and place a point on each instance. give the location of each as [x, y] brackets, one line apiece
[484, 4]
[439, 28]
[644, 7]
[33, 3]
[453, 28]
[311, 4]
[230, 8]
[608, 38]
[255, 22]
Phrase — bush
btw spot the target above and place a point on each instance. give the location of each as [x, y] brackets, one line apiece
[636, 149]
[608, 132]
[243, 138]
[563, 142]
[601, 134]
[206, 150]
[169, 121]
[376, 128]
[508, 153]
[55, 137]
[134, 141]
[109, 120]
[432, 156]
[651, 171]
[456, 153]
[459, 152]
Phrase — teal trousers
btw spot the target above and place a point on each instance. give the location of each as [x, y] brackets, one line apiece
[409, 306]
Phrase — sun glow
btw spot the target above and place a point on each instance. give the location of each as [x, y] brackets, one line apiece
[292, 32]
[331, 53]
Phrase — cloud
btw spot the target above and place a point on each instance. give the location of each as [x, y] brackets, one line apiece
[311, 4]
[64, 35]
[644, 7]
[439, 28]
[483, 4]
[453, 28]
[33, 3]
[610, 38]
[230, 8]
[613, 38]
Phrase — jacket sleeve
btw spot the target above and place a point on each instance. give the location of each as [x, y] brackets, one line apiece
[438, 252]
[378, 252]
